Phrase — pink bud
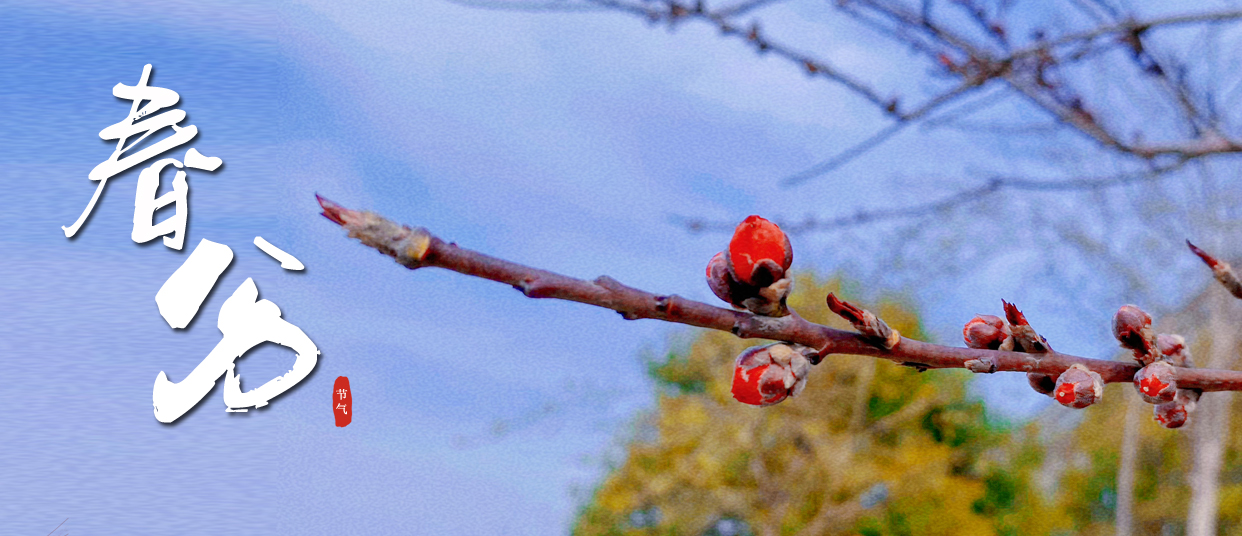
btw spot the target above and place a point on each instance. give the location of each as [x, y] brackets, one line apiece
[1078, 387]
[766, 375]
[985, 332]
[1155, 382]
[1171, 414]
[1176, 413]
[1173, 349]
[1132, 327]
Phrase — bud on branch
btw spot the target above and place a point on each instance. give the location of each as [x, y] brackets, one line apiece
[417, 248]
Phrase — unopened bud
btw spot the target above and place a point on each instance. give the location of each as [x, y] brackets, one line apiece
[1132, 328]
[1041, 383]
[876, 331]
[1176, 413]
[987, 332]
[1221, 270]
[1079, 387]
[769, 300]
[759, 253]
[1024, 336]
[1171, 414]
[722, 283]
[1156, 382]
[766, 375]
[1173, 349]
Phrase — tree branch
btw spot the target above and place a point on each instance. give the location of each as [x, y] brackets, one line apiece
[417, 248]
[953, 200]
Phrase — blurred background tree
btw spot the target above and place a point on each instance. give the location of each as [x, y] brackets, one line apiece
[871, 447]
[1095, 136]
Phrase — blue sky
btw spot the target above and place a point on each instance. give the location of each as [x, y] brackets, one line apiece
[561, 141]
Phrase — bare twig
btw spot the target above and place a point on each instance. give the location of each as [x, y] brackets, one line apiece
[962, 55]
[1128, 26]
[417, 248]
[953, 200]
[860, 148]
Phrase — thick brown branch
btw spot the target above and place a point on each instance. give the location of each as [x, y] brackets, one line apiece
[417, 248]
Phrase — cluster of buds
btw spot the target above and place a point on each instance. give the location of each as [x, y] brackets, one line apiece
[1159, 356]
[766, 375]
[752, 273]
[1012, 333]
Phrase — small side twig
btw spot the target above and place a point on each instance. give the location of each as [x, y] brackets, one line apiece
[1221, 270]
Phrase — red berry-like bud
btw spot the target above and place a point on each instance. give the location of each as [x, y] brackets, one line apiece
[1155, 382]
[1132, 327]
[1078, 387]
[986, 332]
[1172, 414]
[759, 253]
[766, 375]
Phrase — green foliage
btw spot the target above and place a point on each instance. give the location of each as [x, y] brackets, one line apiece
[679, 373]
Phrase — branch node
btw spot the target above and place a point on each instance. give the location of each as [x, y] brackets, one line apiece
[985, 365]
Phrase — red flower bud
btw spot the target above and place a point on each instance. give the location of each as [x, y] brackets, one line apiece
[1171, 414]
[766, 375]
[1169, 344]
[1132, 327]
[1079, 387]
[1173, 349]
[1176, 413]
[1155, 382]
[986, 332]
[759, 253]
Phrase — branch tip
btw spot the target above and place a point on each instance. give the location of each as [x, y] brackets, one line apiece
[332, 210]
[1207, 259]
[1015, 317]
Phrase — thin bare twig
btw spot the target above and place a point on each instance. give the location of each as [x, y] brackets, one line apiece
[417, 248]
[1128, 26]
[953, 200]
[860, 148]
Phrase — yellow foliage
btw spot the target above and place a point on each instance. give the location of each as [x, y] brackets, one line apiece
[869, 447]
